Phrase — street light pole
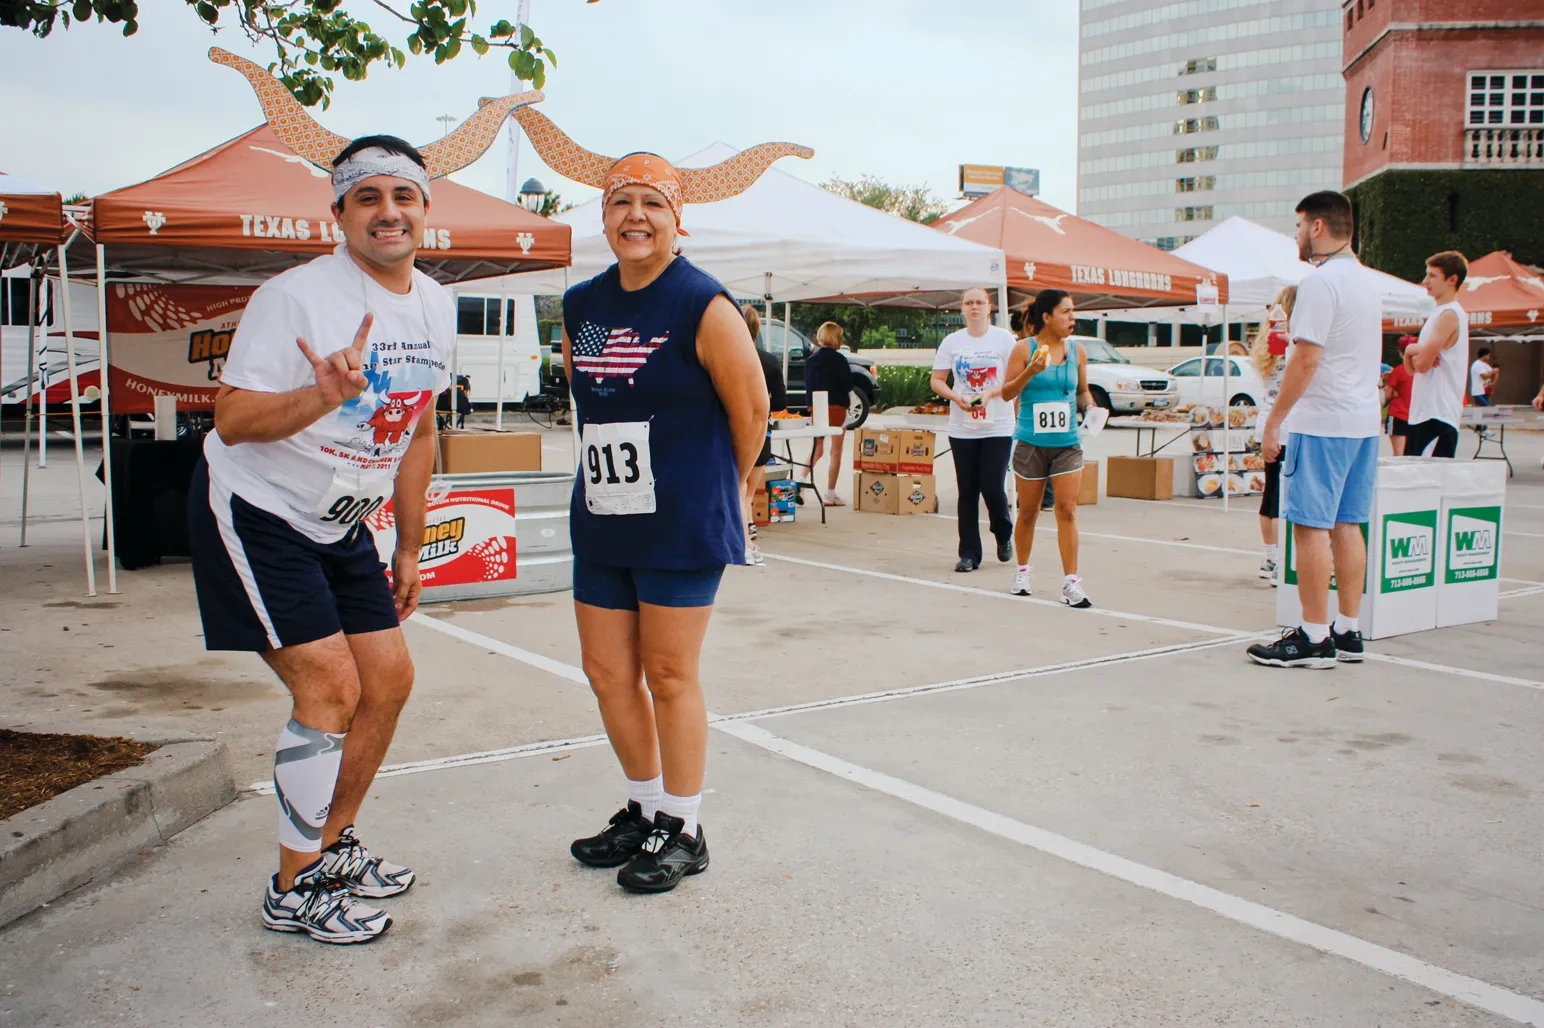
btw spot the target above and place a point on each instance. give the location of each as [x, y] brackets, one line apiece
[512, 165]
[447, 120]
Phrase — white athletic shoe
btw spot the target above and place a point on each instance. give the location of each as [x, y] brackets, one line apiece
[1021, 582]
[320, 906]
[753, 557]
[1073, 594]
[1268, 569]
[350, 863]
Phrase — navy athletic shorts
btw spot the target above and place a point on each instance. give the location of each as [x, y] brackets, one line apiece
[262, 585]
[619, 588]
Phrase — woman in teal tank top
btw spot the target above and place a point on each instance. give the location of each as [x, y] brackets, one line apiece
[1048, 374]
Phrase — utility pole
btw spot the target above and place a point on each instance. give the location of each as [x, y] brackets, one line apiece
[447, 120]
[512, 164]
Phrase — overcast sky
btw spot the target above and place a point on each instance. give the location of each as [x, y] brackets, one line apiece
[901, 89]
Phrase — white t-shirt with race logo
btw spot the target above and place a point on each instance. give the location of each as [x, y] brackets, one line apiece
[978, 363]
[407, 363]
[1338, 310]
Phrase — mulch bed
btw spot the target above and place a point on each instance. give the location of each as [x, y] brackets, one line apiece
[35, 767]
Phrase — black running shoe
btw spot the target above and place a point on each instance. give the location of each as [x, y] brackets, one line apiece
[1005, 550]
[618, 842]
[1348, 646]
[1294, 649]
[668, 855]
[966, 564]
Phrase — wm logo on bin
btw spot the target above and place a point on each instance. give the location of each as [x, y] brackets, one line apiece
[1408, 558]
[1473, 536]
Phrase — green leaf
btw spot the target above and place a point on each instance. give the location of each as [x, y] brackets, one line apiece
[480, 45]
[527, 37]
[311, 60]
[525, 65]
[130, 27]
[82, 10]
[539, 78]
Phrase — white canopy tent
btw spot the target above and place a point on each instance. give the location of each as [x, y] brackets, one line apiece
[788, 240]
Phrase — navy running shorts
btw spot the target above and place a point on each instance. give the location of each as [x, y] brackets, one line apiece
[619, 588]
[262, 585]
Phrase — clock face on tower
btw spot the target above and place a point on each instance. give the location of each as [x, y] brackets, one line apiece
[1366, 114]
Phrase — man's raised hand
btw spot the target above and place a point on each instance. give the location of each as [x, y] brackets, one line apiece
[338, 375]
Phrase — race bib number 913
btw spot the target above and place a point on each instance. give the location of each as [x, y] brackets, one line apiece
[616, 468]
[1052, 417]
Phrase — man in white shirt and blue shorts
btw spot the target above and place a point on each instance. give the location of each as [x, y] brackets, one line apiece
[1329, 403]
[325, 413]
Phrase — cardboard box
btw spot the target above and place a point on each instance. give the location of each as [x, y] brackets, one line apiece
[1140, 478]
[888, 451]
[895, 494]
[782, 511]
[1088, 491]
[465, 452]
[783, 490]
[761, 511]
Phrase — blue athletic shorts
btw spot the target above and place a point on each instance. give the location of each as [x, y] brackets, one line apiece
[618, 588]
[1329, 480]
[262, 585]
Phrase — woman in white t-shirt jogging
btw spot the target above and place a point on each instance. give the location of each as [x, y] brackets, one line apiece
[969, 372]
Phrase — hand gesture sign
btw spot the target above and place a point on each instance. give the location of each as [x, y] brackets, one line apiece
[338, 378]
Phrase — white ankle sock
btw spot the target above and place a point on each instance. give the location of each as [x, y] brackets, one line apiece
[1023, 569]
[647, 794]
[1071, 579]
[1316, 633]
[1344, 624]
[683, 807]
[1273, 552]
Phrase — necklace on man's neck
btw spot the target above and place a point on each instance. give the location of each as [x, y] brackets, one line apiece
[1318, 259]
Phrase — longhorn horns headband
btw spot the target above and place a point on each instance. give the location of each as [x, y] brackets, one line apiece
[299, 131]
[729, 177]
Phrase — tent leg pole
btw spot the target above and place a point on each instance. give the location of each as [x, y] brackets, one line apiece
[504, 332]
[106, 408]
[1003, 320]
[80, 445]
[26, 433]
[1227, 410]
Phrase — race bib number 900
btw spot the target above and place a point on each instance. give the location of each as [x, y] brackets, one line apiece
[616, 468]
[1052, 417]
[350, 500]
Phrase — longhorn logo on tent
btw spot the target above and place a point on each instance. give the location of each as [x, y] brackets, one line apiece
[1533, 315]
[1475, 281]
[526, 241]
[1054, 224]
[1029, 270]
[154, 219]
[289, 158]
[955, 226]
[4, 210]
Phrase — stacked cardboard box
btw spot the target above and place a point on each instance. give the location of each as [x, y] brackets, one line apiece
[895, 471]
[782, 500]
[468, 452]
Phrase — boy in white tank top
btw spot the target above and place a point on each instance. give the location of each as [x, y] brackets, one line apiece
[1439, 361]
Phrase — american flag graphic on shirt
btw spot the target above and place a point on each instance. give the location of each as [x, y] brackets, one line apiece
[614, 353]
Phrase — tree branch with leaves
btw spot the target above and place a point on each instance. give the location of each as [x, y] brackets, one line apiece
[315, 40]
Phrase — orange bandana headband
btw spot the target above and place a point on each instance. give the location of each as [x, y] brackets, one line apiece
[651, 170]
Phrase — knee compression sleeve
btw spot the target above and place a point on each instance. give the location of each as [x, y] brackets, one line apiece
[305, 771]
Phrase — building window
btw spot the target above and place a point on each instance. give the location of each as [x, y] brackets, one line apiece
[1506, 98]
[1195, 184]
[1199, 65]
[1187, 126]
[1193, 213]
[1198, 96]
[1190, 155]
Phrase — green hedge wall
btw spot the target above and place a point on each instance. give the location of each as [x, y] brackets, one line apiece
[904, 385]
[1403, 217]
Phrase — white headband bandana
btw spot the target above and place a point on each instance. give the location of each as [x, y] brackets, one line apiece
[377, 161]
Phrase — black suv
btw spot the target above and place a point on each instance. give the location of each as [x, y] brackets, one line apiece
[865, 394]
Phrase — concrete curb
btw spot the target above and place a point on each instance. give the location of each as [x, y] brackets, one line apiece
[49, 849]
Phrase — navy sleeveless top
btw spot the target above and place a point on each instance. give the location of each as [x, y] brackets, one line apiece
[634, 360]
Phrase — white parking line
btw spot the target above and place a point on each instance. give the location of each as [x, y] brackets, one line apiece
[1462, 672]
[1085, 534]
[1514, 593]
[1525, 535]
[1191, 626]
[1470, 991]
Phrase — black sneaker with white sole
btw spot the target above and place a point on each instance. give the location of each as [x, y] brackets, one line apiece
[668, 855]
[1348, 646]
[1294, 649]
[321, 906]
[618, 842]
[349, 862]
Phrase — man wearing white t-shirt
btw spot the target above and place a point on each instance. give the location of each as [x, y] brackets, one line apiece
[980, 424]
[325, 412]
[1329, 403]
[1437, 362]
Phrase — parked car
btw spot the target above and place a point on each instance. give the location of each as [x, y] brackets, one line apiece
[1204, 385]
[865, 393]
[1122, 387]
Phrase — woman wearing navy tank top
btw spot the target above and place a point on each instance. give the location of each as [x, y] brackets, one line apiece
[672, 410]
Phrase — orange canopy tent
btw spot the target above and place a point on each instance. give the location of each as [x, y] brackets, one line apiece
[1048, 248]
[1500, 293]
[250, 208]
[31, 219]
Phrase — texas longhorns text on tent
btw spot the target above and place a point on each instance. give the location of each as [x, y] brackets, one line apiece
[1048, 248]
[1501, 294]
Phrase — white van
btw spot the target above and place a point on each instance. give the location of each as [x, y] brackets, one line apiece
[49, 357]
[482, 323]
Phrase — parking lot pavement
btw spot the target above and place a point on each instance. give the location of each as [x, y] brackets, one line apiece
[929, 802]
